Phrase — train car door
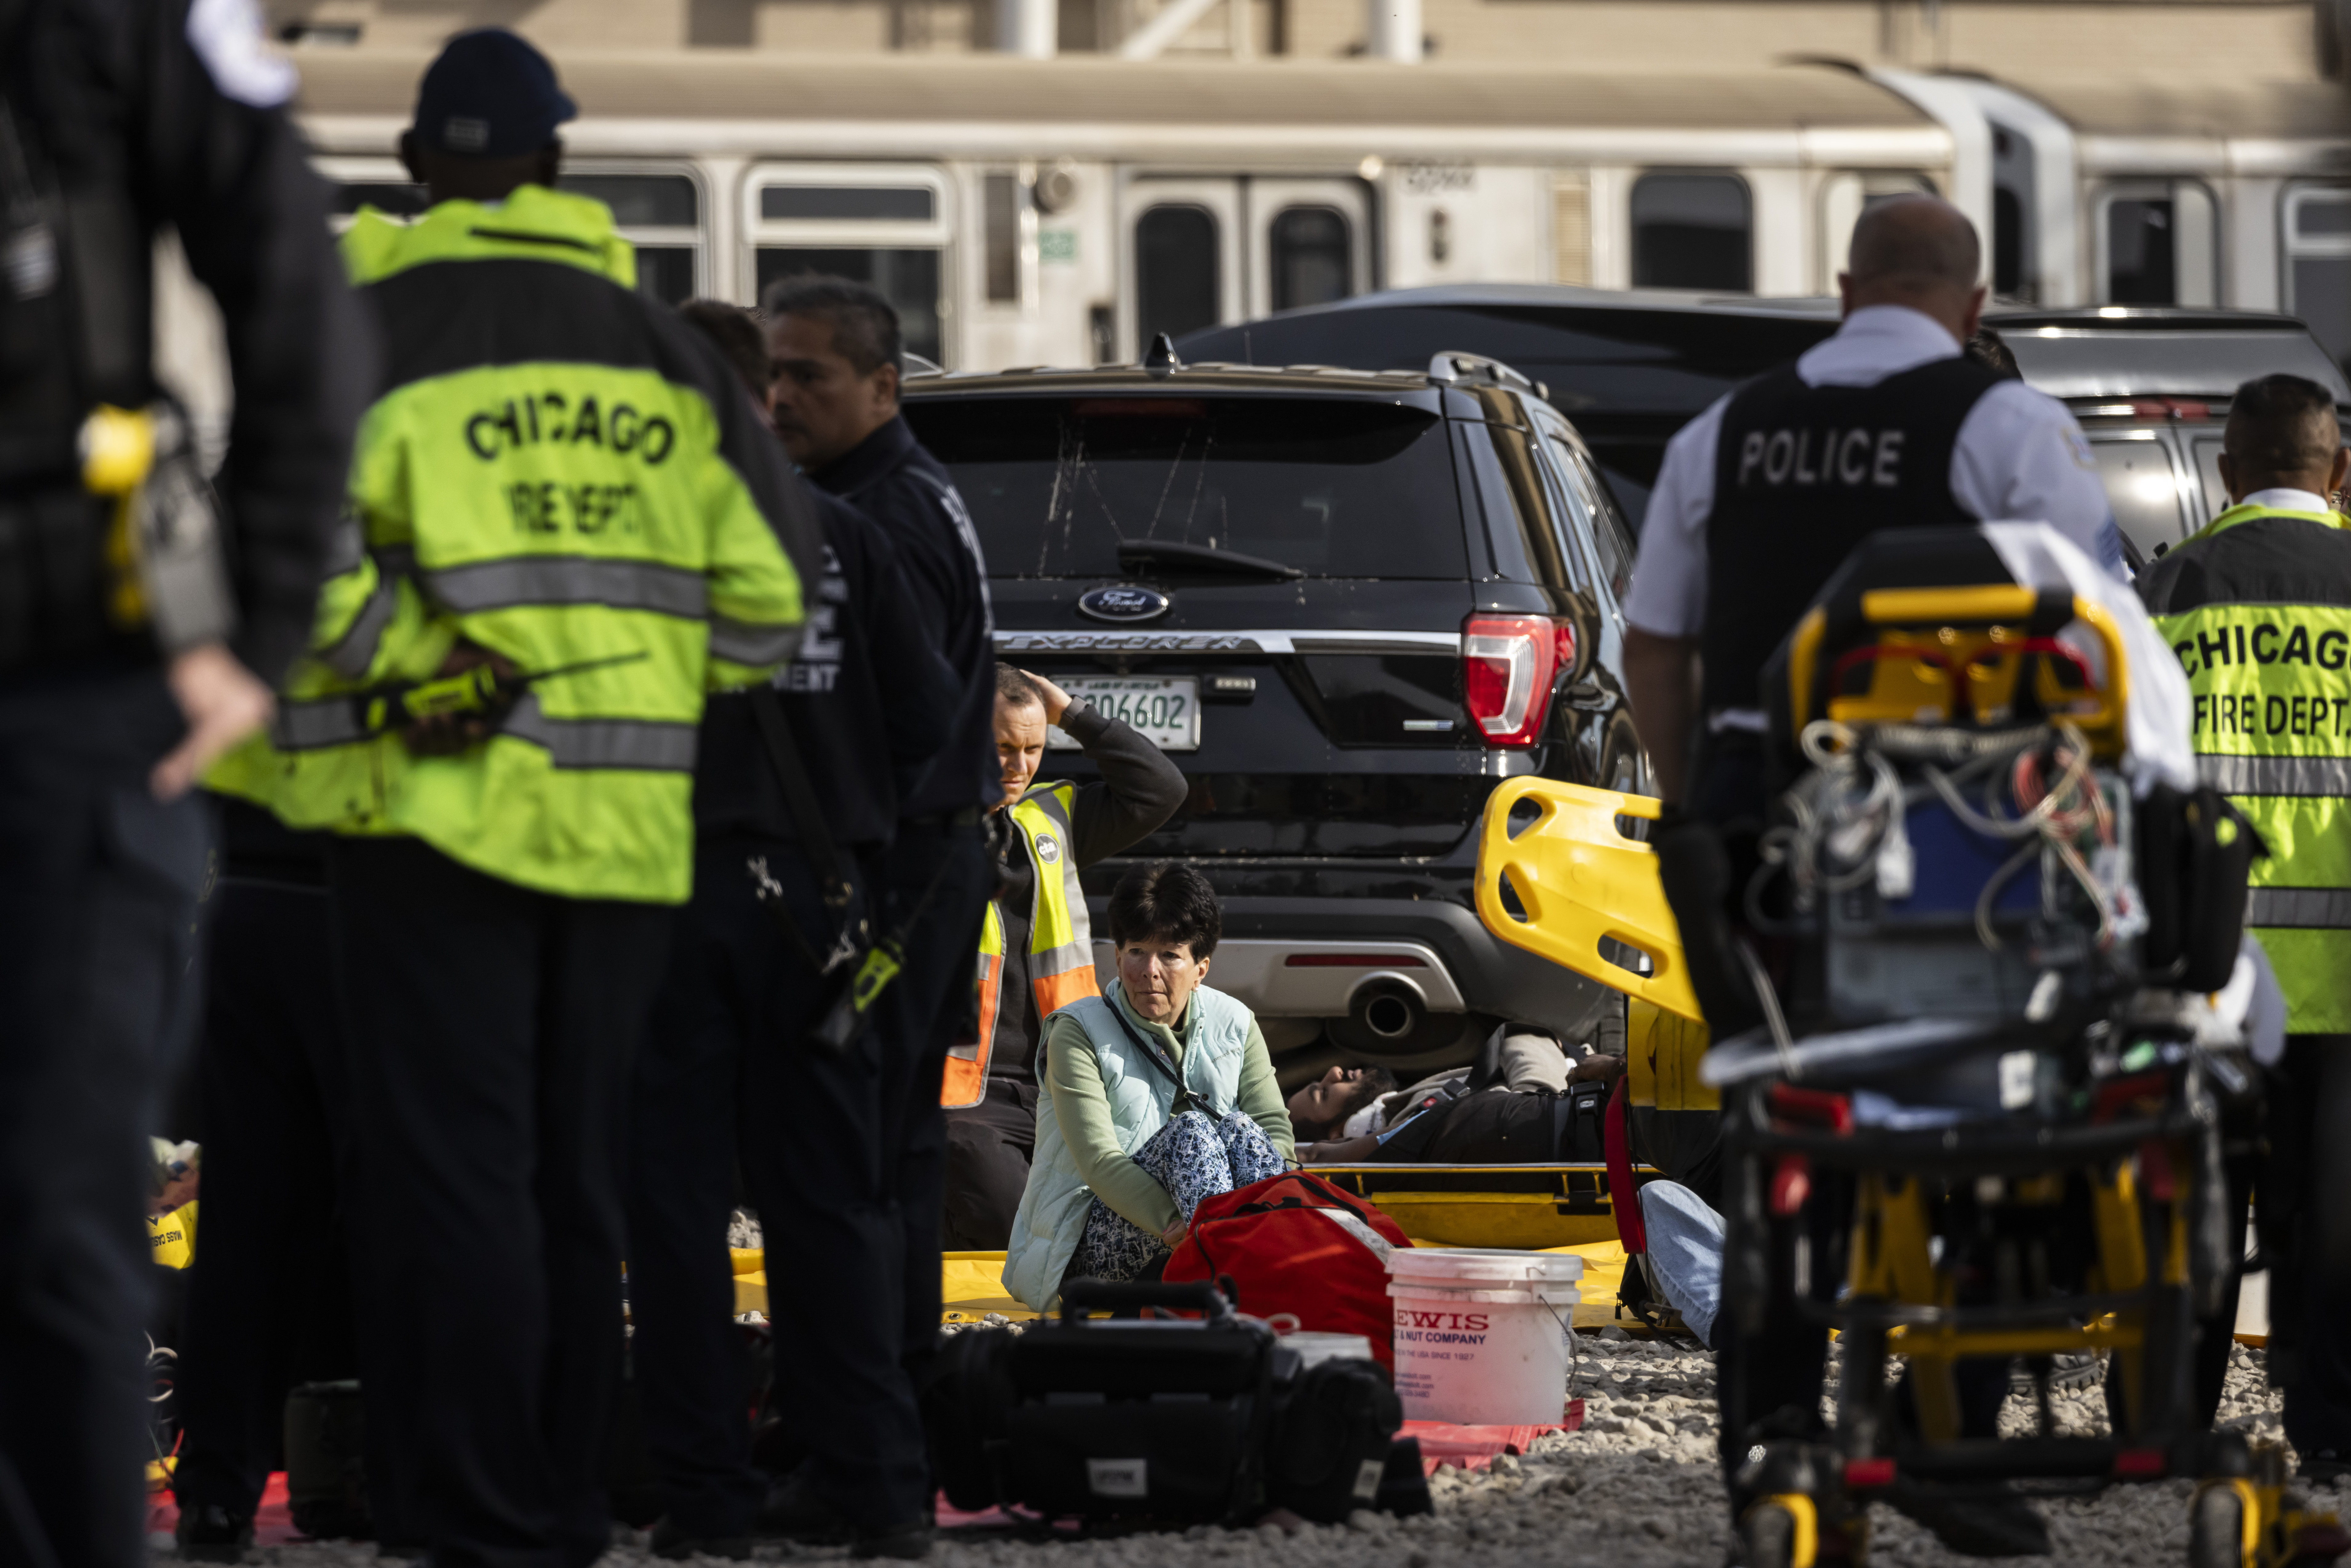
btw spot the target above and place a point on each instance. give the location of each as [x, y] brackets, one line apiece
[1185, 245]
[1201, 252]
[1311, 242]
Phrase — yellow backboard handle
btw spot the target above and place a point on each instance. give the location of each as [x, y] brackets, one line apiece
[1578, 878]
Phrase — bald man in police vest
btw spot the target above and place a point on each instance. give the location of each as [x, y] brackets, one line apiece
[1887, 425]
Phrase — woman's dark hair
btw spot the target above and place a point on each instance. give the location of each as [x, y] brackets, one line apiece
[737, 335]
[1169, 900]
[1989, 349]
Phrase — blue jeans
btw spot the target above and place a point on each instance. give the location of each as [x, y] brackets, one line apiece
[1686, 1253]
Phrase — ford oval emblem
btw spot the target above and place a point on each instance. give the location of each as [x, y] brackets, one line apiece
[1123, 602]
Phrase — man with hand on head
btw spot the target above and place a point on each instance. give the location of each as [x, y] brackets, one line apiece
[1036, 948]
[2258, 606]
[566, 525]
[838, 356]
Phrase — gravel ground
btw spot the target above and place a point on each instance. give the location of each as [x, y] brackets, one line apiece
[1637, 1488]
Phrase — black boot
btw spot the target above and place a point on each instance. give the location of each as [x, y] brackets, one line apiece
[209, 1533]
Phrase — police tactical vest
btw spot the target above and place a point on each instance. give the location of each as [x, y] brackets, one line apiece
[1053, 1206]
[75, 300]
[1802, 474]
[1060, 941]
[2258, 608]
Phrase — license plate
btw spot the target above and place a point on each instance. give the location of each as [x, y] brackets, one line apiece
[1166, 708]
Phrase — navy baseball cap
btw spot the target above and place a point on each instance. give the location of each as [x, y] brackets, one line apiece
[490, 94]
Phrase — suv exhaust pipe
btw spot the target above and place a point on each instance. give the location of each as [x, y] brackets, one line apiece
[1390, 1012]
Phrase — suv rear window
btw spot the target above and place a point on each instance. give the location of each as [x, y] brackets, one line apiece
[1332, 487]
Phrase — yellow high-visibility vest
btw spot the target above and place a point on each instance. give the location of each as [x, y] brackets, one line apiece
[1061, 940]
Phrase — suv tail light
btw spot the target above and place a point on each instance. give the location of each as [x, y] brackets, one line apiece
[1507, 666]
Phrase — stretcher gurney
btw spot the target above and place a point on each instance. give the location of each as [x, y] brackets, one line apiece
[2065, 1155]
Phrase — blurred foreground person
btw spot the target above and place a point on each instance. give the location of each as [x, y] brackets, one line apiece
[795, 799]
[142, 622]
[270, 1303]
[1037, 947]
[2257, 604]
[568, 523]
[838, 356]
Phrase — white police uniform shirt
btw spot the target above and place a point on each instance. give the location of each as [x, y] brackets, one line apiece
[2018, 454]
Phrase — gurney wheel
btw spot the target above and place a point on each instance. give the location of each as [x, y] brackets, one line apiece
[2221, 1525]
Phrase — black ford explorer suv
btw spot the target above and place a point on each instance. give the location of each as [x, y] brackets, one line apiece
[1348, 603]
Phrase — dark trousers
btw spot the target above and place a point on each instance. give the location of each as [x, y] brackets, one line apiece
[99, 886]
[2305, 1224]
[269, 1301]
[989, 1149]
[491, 1031]
[727, 1066]
[919, 1016]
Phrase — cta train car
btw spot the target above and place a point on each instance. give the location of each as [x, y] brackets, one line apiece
[1063, 211]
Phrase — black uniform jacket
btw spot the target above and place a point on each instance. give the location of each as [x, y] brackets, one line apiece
[891, 479]
[867, 699]
[120, 118]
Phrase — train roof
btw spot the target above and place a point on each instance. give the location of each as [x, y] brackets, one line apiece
[1100, 89]
[2206, 108]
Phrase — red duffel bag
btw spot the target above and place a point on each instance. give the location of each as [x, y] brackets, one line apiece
[1294, 1243]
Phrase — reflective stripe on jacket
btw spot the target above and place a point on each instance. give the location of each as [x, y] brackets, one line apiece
[556, 470]
[2257, 606]
[1060, 941]
[1053, 1206]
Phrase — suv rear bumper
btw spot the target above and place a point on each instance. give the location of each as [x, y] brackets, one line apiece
[1462, 966]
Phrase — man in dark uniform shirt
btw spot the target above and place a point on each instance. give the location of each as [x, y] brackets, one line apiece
[837, 355]
[729, 1070]
[990, 1144]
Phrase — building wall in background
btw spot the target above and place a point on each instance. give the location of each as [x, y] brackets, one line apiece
[2259, 39]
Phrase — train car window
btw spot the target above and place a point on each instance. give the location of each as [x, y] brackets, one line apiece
[1849, 192]
[2159, 245]
[1177, 281]
[641, 200]
[660, 215]
[2142, 489]
[2318, 264]
[848, 203]
[907, 278]
[1333, 488]
[1313, 257]
[1000, 216]
[1693, 231]
[400, 201]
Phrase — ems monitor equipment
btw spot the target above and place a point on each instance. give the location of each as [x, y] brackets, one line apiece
[1208, 1419]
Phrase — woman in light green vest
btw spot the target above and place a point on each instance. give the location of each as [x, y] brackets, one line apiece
[1154, 1095]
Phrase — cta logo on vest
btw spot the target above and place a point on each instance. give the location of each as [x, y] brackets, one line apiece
[549, 418]
[1850, 458]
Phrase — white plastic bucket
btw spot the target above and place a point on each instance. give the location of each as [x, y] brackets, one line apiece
[1481, 1334]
